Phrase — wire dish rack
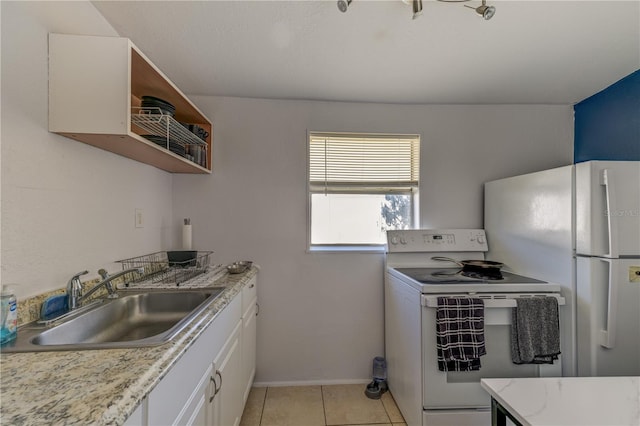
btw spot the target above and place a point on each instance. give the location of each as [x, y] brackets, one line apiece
[155, 122]
[167, 267]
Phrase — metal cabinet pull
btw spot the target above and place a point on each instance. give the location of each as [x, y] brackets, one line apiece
[214, 388]
[257, 309]
[218, 389]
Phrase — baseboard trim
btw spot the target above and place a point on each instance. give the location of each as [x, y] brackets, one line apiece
[311, 383]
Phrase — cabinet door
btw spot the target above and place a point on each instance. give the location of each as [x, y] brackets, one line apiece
[171, 400]
[249, 326]
[175, 398]
[194, 412]
[226, 407]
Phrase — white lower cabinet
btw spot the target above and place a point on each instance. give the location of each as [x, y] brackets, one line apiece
[209, 383]
[171, 400]
[236, 364]
[226, 402]
[249, 332]
[195, 411]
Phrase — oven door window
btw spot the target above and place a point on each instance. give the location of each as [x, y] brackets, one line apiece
[462, 389]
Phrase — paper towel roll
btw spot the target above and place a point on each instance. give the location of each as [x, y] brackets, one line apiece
[186, 237]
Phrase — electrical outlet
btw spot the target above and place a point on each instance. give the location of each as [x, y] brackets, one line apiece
[139, 218]
[634, 274]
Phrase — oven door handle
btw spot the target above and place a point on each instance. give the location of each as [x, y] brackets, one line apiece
[489, 302]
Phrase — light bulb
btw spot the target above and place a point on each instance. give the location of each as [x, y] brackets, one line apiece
[343, 5]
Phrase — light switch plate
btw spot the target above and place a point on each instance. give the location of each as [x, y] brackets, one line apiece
[139, 218]
[634, 274]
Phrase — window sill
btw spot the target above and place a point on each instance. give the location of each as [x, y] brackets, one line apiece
[349, 249]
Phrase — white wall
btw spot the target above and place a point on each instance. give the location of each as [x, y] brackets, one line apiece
[321, 314]
[66, 206]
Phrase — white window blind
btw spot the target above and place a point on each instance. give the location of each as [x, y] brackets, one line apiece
[363, 163]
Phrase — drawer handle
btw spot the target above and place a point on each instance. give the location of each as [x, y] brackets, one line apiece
[215, 386]
[218, 389]
[257, 309]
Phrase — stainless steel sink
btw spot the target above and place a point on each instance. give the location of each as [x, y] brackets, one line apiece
[133, 320]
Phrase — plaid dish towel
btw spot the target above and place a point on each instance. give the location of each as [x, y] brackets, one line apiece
[460, 333]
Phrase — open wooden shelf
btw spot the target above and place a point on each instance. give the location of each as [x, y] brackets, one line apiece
[95, 88]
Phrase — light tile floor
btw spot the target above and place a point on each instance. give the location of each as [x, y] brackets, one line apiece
[319, 406]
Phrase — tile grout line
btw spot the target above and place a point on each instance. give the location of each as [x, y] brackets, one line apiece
[384, 407]
[264, 402]
[324, 410]
[395, 404]
[385, 410]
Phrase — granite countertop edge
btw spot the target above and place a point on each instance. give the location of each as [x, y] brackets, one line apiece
[100, 387]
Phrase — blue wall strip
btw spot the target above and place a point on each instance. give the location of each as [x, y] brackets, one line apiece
[607, 124]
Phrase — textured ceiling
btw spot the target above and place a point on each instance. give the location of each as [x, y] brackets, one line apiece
[548, 52]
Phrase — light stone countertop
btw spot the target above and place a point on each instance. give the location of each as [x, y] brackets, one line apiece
[569, 401]
[100, 387]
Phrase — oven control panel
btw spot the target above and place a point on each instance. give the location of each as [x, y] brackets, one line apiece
[436, 240]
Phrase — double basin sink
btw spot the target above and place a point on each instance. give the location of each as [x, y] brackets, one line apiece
[135, 319]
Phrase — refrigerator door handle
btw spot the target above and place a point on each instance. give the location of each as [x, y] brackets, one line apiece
[612, 219]
[608, 335]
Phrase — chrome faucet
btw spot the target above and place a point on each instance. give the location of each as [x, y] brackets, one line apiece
[76, 297]
[74, 290]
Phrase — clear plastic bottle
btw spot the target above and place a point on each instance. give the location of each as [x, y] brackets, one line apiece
[9, 315]
[379, 369]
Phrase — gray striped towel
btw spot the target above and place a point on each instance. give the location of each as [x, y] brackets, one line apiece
[460, 333]
[535, 331]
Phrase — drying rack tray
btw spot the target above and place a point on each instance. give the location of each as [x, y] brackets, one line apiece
[159, 269]
[160, 124]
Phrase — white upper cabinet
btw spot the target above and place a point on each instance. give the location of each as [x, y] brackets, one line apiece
[96, 85]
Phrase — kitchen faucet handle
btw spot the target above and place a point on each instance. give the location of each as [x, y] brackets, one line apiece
[74, 285]
[107, 283]
[74, 289]
[76, 276]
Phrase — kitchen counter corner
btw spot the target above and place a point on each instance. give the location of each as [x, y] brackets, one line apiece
[569, 401]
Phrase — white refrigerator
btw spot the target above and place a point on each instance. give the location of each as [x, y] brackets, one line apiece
[578, 226]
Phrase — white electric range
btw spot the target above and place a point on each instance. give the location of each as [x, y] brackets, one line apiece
[413, 282]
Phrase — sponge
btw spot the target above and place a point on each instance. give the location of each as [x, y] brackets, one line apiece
[54, 306]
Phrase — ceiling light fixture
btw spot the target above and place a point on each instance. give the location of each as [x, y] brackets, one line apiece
[485, 11]
[343, 5]
[417, 8]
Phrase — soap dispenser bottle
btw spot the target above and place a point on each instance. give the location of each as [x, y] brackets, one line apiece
[9, 315]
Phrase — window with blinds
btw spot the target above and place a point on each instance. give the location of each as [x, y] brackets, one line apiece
[340, 163]
[360, 186]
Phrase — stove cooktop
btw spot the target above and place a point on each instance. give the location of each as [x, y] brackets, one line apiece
[451, 281]
[457, 276]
